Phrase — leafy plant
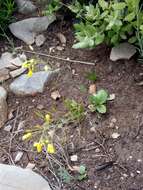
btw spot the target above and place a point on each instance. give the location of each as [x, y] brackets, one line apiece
[98, 101]
[52, 7]
[7, 8]
[82, 173]
[91, 76]
[64, 175]
[109, 22]
[75, 110]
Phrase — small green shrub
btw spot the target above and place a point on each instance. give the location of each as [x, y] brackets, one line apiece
[109, 22]
[6, 11]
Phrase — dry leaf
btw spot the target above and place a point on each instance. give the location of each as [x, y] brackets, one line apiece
[62, 38]
[30, 166]
[55, 95]
[92, 89]
[18, 156]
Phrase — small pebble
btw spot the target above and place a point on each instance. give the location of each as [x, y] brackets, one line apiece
[74, 158]
[8, 128]
[138, 172]
[18, 156]
[40, 107]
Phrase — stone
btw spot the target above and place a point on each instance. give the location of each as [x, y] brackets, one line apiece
[25, 85]
[4, 75]
[122, 51]
[8, 61]
[3, 107]
[40, 39]
[16, 178]
[27, 30]
[17, 72]
[25, 6]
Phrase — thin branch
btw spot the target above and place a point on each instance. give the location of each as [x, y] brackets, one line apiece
[60, 58]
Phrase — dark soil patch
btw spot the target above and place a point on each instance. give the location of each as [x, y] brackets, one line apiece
[93, 147]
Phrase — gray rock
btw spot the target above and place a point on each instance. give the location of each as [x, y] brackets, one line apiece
[25, 85]
[17, 72]
[3, 106]
[27, 29]
[25, 6]
[122, 51]
[15, 178]
[40, 39]
[8, 61]
[4, 75]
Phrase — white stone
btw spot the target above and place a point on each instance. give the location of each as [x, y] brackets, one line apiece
[74, 158]
[18, 156]
[15, 178]
[115, 135]
[122, 51]
[26, 30]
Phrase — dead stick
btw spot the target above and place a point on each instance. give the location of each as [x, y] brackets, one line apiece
[59, 58]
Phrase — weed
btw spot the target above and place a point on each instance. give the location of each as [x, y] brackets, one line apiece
[98, 101]
[75, 110]
[91, 76]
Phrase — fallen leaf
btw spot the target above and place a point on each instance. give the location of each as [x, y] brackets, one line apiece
[55, 95]
[92, 89]
[62, 38]
[115, 135]
[18, 156]
[8, 128]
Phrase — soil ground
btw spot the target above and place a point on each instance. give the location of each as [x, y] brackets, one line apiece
[91, 139]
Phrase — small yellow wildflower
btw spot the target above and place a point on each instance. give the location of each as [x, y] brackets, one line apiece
[27, 136]
[51, 149]
[47, 118]
[38, 147]
[30, 73]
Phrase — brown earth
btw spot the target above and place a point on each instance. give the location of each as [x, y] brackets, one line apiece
[91, 139]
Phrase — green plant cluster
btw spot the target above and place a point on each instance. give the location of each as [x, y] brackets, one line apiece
[107, 22]
[6, 10]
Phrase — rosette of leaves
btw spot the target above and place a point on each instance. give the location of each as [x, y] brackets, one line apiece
[98, 101]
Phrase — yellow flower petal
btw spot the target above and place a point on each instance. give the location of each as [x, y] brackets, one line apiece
[27, 136]
[38, 147]
[47, 118]
[51, 149]
[30, 73]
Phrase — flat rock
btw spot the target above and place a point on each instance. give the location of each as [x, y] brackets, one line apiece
[25, 85]
[25, 6]
[3, 107]
[4, 75]
[17, 72]
[8, 61]
[26, 30]
[122, 51]
[16, 178]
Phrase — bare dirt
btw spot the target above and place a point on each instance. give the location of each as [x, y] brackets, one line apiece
[112, 164]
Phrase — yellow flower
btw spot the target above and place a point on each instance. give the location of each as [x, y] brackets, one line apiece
[30, 73]
[47, 118]
[27, 136]
[38, 147]
[51, 149]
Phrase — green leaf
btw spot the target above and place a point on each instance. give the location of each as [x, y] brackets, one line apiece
[82, 170]
[132, 40]
[102, 96]
[130, 17]
[119, 6]
[101, 108]
[99, 38]
[91, 76]
[85, 43]
[82, 177]
[103, 4]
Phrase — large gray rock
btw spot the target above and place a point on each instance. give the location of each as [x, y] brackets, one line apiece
[25, 85]
[122, 51]
[25, 6]
[26, 30]
[15, 178]
[3, 106]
